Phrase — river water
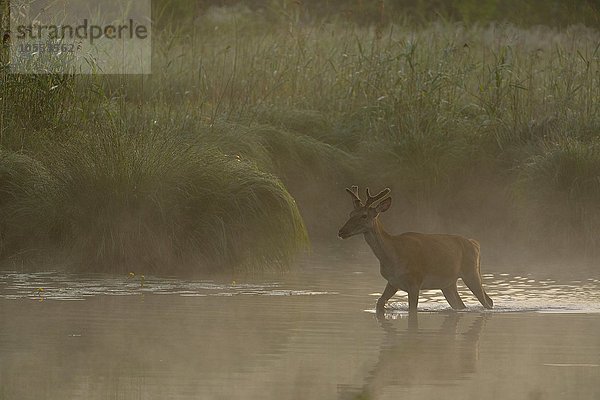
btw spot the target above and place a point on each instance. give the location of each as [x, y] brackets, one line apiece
[309, 334]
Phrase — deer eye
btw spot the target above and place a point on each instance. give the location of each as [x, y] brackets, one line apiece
[363, 216]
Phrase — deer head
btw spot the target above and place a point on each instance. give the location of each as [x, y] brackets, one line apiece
[362, 217]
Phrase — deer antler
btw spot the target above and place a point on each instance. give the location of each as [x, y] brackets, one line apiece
[379, 196]
[370, 199]
[355, 198]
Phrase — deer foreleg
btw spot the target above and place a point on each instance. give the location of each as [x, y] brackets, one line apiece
[387, 294]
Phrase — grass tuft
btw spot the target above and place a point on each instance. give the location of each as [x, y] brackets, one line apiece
[561, 187]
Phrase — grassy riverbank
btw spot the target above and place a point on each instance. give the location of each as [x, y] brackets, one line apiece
[487, 130]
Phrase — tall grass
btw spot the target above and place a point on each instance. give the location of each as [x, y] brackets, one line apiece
[162, 200]
[561, 187]
[247, 110]
[447, 114]
[132, 196]
[24, 184]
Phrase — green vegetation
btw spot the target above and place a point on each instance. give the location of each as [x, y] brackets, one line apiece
[486, 130]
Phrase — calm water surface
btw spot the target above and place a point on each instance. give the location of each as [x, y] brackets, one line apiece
[305, 335]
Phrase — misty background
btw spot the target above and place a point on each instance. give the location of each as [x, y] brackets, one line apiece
[483, 117]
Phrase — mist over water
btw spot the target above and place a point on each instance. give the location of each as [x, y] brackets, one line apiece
[307, 334]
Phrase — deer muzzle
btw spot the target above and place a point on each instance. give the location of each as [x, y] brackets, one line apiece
[342, 234]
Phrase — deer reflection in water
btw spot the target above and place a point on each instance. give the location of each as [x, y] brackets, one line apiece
[414, 356]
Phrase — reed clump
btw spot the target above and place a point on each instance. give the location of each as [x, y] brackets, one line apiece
[123, 196]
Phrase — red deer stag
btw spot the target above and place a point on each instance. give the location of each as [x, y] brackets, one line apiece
[414, 261]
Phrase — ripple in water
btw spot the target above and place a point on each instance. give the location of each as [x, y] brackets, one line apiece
[517, 294]
[510, 293]
[64, 286]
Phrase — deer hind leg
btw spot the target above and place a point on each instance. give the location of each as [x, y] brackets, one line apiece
[473, 282]
[471, 276]
[453, 298]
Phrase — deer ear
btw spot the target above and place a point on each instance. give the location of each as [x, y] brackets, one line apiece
[384, 205]
[355, 199]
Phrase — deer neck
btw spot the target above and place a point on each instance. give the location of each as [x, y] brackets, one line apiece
[379, 241]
